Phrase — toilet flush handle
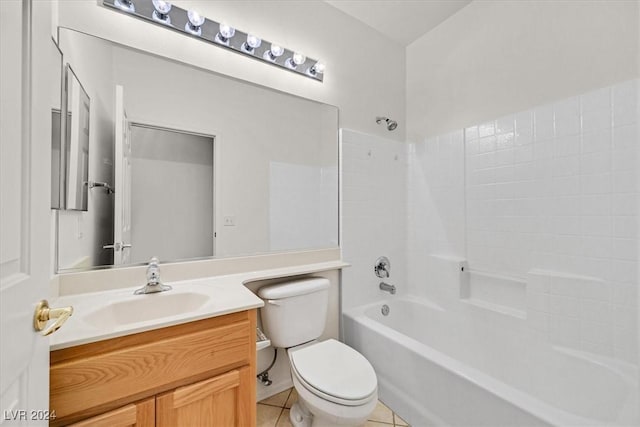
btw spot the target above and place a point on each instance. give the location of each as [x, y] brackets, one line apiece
[273, 302]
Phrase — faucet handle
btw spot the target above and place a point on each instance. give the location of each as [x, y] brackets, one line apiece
[382, 267]
[153, 271]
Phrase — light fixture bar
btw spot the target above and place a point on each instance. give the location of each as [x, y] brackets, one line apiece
[177, 19]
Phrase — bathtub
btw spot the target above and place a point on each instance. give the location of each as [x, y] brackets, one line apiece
[435, 368]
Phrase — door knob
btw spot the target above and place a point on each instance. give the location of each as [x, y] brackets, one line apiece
[43, 314]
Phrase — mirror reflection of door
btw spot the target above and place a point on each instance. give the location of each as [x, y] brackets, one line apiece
[122, 198]
[77, 143]
[56, 128]
[171, 194]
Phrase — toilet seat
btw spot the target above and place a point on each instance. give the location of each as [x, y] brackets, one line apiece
[334, 372]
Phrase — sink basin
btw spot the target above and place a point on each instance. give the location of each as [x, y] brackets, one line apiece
[118, 312]
[142, 308]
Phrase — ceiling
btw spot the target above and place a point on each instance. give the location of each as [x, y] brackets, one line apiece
[403, 21]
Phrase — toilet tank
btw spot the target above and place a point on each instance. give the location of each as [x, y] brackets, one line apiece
[294, 312]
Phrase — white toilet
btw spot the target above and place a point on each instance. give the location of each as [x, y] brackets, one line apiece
[336, 385]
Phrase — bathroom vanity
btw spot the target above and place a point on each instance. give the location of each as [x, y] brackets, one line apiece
[186, 356]
[196, 373]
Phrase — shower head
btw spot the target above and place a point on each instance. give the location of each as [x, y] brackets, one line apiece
[391, 124]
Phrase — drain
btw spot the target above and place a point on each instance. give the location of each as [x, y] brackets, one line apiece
[385, 310]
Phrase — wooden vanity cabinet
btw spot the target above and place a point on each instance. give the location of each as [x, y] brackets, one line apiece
[198, 373]
[215, 402]
[141, 414]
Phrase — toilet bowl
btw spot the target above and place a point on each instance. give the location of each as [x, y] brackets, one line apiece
[336, 385]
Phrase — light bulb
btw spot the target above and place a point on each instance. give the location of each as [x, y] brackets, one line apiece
[125, 5]
[161, 11]
[295, 60]
[251, 44]
[317, 68]
[195, 18]
[162, 7]
[274, 52]
[298, 58]
[195, 22]
[253, 41]
[226, 32]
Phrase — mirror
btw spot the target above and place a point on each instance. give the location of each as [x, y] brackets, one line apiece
[184, 163]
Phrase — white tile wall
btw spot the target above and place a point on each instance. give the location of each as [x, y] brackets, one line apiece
[552, 189]
[436, 213]
[374, 176]
[549, 196]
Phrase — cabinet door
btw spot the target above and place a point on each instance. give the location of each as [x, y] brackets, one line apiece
[225, 400]
[141, 414]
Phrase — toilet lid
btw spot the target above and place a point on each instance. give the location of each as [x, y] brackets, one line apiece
[335, 369]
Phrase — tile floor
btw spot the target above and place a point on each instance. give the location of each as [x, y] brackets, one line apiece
[274, 412]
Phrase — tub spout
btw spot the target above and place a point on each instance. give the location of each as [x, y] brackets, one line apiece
[388, 288]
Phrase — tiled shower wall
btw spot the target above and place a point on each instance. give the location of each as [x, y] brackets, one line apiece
[548, 195]
[555, 188]
[374, 176]
[436, 213]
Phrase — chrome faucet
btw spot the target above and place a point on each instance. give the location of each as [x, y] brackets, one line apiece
[382, 267]
[153, 279]
[387, 288]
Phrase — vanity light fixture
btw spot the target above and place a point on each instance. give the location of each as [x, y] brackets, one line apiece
[193, 24]
[161, 11]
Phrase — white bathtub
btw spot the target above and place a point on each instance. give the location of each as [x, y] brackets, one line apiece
[438, 368]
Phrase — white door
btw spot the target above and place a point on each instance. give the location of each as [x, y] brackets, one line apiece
[122, 170]
[25, 185]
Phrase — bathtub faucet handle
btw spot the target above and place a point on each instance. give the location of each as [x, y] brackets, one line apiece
[382, 267]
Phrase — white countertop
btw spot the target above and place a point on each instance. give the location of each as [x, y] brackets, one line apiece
[94, 320]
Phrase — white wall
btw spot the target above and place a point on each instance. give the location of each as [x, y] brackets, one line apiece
[374, 176]
[497, 57]
[365, 72]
